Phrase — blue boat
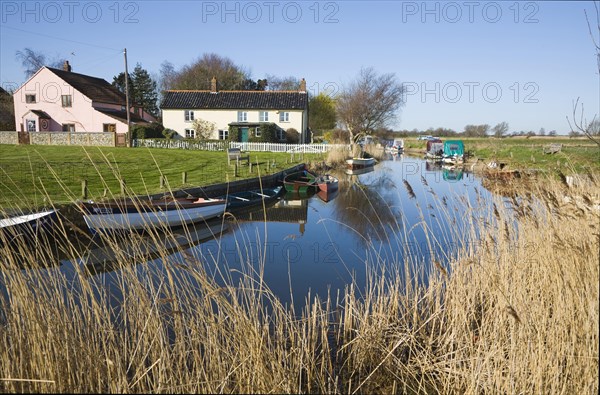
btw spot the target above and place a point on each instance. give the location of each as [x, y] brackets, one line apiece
[253, 198]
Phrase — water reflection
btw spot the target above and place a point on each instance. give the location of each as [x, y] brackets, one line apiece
[403, 208]
[118, 252]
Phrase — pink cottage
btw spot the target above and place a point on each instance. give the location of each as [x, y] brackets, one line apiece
[59, 100]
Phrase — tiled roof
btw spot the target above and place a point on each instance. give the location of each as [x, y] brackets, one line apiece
[41, 114]
[96, 89]
[235, 100]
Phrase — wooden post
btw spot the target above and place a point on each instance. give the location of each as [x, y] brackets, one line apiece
[250, 166]
[84, 189]
[184, 177]
[162, 182]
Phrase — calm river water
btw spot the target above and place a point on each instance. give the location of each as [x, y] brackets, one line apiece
[404, 209]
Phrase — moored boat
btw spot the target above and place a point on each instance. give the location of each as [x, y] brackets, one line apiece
[435, 149]
[359, 163]
[246, 199]
[454, 151]
[28, 225]
[143, 213]
[300, 182]
[327, 183]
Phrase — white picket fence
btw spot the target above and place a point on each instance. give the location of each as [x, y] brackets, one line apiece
[223, 145]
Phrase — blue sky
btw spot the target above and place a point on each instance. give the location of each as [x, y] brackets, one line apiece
[464, 62]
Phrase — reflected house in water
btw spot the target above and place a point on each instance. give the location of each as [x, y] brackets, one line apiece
[293, 208]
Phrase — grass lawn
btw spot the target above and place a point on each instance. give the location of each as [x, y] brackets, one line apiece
[33, 176]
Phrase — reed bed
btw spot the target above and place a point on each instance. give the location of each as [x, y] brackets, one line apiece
[516, 312]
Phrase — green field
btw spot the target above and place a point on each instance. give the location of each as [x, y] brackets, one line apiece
[33, 176]
[577, 155]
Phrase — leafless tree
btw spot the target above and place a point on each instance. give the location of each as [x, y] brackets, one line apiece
[370, 102]
[33, 60]
[580, 122]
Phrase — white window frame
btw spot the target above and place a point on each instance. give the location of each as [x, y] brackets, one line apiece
[223, 134]
[284, 116]
[188, 115]
[257, 131]
[190, 133]
[263, 116]
[68, 127]
[242, 116]
[66, 100]
[31, 125]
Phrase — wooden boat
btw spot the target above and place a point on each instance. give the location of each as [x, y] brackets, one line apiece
[27, 225]
[247, 199]
[360, 163]
[327, 196]
[144, 213]
[300, 182]
[327, 183]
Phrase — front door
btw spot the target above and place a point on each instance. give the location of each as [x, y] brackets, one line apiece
[244, 135]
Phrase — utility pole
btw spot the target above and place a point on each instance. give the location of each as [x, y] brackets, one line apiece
[127, 100]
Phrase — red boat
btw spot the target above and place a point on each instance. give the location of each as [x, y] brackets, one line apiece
[327, 183]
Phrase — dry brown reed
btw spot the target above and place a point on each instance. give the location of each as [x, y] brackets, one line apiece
[516, 313]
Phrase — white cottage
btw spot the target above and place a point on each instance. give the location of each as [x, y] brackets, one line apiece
[244, 110]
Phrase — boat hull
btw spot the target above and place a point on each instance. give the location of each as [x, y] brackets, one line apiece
[359, 163]
[101, 218]
[327, 183]
[301, 182]
[248, 199]
[27, 225]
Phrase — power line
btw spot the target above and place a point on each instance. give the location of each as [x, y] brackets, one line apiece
[60, 38]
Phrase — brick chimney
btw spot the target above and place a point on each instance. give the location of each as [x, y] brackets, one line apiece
[66, 66]
[213, 85]
[302, 85]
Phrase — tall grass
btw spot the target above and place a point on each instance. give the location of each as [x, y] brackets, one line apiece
[516, 312]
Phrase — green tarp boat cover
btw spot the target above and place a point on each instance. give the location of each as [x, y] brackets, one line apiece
[454, 147]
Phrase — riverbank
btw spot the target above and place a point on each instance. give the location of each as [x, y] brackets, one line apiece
[515, 312]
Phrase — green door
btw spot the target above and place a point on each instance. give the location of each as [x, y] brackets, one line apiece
[244, 135]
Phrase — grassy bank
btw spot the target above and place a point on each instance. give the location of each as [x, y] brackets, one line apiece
[578, 155]
[35, 175]
[516, 313]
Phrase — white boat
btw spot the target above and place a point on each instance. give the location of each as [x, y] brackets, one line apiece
[141, 213]
[360, 163]
[27, 225]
